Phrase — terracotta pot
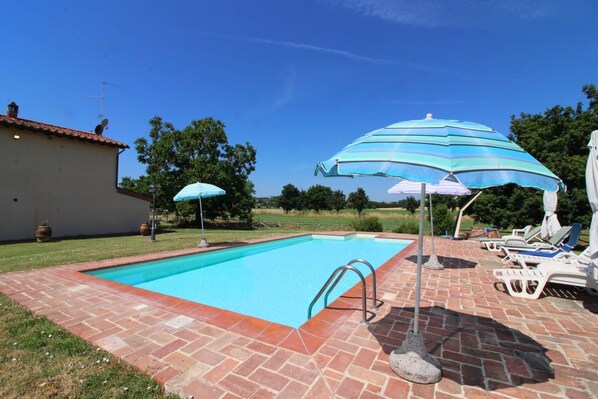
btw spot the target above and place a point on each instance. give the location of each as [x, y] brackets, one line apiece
[145, 229]
[43, 233]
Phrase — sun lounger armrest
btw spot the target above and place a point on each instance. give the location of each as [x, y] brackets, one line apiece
[520, 232]
[511, 241]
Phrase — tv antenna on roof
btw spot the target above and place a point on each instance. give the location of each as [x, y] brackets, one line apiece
[101, 97]
[99, 129]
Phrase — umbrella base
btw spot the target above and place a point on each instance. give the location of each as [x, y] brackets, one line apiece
[412, 362]
[203, 243]
[433, 263]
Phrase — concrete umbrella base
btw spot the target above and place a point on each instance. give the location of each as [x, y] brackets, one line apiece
[412, 362]
[433, 263]
[203, 243]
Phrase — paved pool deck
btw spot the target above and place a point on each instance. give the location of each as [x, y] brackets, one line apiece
[491, 345]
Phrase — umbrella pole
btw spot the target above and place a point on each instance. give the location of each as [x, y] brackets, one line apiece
[420, 249]
[412, 360]
[433, 263]
[203, 242]
[432, 223]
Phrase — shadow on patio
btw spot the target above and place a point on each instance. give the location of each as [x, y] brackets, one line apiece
[447, 261]
[473, 350]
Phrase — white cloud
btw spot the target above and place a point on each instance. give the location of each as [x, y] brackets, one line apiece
[437, 102]
[284, 94]
[340, 53]
[455, 13]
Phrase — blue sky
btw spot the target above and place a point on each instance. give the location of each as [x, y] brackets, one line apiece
[297, 79]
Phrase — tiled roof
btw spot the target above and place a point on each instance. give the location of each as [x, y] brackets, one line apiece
[58, 131]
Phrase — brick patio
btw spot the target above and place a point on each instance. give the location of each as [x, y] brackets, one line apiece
[491, 345]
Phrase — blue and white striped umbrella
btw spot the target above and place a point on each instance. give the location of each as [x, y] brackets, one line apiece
[197, 191]
[429, 150]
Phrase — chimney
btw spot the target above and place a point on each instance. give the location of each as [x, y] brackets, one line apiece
[12, 110]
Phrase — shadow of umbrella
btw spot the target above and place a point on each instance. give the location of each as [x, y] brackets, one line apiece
[473, 350]
[447, 261]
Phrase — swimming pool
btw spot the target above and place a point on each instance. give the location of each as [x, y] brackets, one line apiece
[274, 281]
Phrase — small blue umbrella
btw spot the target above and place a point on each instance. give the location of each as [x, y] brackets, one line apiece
[429, 151]
[197, 191]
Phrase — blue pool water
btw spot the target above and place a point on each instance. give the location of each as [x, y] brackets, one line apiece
[274, 281]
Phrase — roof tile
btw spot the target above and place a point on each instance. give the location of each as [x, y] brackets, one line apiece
[21, 123]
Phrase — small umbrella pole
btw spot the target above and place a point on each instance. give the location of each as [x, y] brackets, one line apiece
[204, 242]
[433, 263]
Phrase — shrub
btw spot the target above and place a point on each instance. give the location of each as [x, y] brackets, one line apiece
[407, 226]
[366, 224]
[443, 219]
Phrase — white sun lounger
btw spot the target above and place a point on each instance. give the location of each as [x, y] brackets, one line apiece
[531, 261]
[552, 244]
[529, 283]
[529, 235]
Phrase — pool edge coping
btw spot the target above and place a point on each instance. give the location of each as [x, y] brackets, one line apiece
[306, 339]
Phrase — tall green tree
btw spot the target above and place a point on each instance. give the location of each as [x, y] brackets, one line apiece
[290, 198]
[558, 138]
[338, 200]
[318, 198]
[411, 204]
[358, 200]
[198, 153]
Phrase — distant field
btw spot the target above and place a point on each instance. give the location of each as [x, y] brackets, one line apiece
[331, 220]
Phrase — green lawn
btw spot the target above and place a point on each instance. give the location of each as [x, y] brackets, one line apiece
[32, 255]
[38, 359]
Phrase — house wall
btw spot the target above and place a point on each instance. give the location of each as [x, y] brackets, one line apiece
[70, 183]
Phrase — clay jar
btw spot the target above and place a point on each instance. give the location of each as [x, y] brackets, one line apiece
[43, 232]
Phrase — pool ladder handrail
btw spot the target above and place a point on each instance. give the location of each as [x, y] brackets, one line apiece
[342, 270]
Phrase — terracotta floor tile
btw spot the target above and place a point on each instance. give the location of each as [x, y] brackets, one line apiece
[250, 327]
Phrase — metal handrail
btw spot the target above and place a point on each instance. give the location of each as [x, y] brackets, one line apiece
[368, 264]
[365, 262]
[342, 270]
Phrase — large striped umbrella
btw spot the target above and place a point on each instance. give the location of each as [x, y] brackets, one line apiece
[428, 151]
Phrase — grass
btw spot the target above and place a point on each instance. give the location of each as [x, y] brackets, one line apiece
[331, 220]
[38, 359]
[32, 255]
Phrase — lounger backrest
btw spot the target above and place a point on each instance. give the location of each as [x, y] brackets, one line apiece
[558, 237]
[532, 233]
[573, 238]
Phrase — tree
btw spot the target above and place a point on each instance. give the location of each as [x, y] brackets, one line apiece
[338, 200]
[449, 200]
[444, 220]
[290, 198]
[358, 200]
[558, 138]
[318, 197]
[199, 152]
[411, 204]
